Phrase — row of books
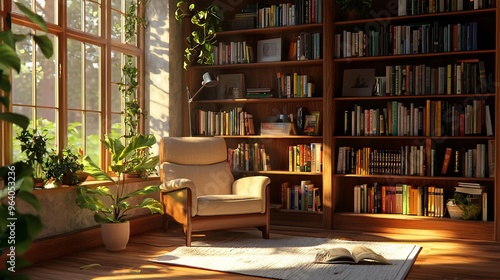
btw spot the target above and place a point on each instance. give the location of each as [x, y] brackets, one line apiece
[418, 7]
[307, 46]
[305, 157]
[464, 76]
[291, 13]
[232, 53]
[305, 197]
[435, 118]
[407, 39]
[399, 198]
[249, 157]
[294, 85]
[232, 122]
[413, 160]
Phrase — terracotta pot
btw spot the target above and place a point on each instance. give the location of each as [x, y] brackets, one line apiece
[115, 236]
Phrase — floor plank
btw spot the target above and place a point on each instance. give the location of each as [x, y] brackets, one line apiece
[439, 258]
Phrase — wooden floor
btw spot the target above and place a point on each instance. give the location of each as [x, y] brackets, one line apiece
[439, 259]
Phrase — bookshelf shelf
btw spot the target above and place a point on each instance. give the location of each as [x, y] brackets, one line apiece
[415, 178]
[427, 17]
[261, 100]
[299, 137]
[280, 172]
[429, 96]
[327, 74]
[461, 54]
[442, 138]
[257, 65]
[270, 30]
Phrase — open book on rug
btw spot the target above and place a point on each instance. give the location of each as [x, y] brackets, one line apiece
[358, 255]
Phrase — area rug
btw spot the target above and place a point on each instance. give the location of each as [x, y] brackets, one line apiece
[287, 257]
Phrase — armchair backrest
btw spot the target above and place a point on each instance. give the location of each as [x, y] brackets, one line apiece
[200, 159]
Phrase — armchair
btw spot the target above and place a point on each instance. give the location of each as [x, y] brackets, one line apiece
[200, 193]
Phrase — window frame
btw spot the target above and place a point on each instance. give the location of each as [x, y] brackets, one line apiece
[63, 32]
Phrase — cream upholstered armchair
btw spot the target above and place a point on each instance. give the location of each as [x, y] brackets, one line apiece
[200, 193]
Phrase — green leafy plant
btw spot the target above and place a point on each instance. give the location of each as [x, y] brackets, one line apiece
[363, 7]
[34, 145]
[470, 205]
[112, 206]
[63, 167]
[133, 20]
[207, 22]
[16, 180]
[132, 111]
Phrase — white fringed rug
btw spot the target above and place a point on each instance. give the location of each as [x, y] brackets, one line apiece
[287, 257]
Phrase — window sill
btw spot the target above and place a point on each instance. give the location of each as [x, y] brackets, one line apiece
[94, 184]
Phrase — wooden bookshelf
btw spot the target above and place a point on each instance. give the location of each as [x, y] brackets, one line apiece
[327, 74]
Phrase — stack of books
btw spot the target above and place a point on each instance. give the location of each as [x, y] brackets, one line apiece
[259, 93]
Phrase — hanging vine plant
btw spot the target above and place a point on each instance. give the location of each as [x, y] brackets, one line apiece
[129, 84]
[207, 22]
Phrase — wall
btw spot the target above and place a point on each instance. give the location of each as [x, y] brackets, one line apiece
[60, 214]
[163, 78]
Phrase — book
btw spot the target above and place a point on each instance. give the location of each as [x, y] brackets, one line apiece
[446, 161]
[357, 255]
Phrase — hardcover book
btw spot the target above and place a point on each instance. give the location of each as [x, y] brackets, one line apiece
[358, 255]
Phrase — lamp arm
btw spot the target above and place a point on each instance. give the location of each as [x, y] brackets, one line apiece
[190, 99]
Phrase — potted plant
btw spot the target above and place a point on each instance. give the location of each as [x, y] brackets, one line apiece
[16, 179]
[354, 9]
[111, 205]
[64, 167]
[34, 145]
[207, 22]
[464, 205]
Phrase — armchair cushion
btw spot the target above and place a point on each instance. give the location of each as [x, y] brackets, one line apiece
[228, 204]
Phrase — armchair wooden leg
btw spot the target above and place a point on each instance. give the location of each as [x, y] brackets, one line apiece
[187, 231]
[265, 231]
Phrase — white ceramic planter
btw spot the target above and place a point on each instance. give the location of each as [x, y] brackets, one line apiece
[115, 236]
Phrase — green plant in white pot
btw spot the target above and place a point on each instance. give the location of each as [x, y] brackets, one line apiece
[111, 205]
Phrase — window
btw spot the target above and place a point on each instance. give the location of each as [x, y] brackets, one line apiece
[75, 94]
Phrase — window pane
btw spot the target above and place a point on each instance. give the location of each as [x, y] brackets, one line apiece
[93, 17]
[85, 16]
[116, 4]
[46, 82]
[117, 21]
[75, 74]
[92, 136]
[16, 130]
[26, 3]
[47, 119]
[116, 99]
[116, 125]
[84, 76]
[75, 125]
[48, 9]
[74, 9]
[92, 77]
[22, 82]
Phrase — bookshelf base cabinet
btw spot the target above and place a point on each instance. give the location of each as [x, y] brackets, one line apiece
[417, 85]
[417, 225]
